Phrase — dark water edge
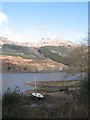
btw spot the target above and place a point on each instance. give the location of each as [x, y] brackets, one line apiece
[32, 72]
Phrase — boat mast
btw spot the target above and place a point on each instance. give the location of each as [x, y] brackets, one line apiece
[35, 83]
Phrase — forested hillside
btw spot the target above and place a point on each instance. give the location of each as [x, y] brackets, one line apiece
[16, 58]
[23, 51]
[56, 53]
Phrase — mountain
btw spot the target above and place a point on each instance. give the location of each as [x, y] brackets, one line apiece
[43, 42]
[55, 42]
[56, 53]
[49, 55]
[4, 40]
[16, 58]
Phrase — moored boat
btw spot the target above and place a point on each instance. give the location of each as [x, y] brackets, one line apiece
[37, 95]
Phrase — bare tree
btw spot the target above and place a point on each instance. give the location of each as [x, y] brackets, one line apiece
[79, 59]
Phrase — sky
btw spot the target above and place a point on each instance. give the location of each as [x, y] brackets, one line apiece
[32, 21]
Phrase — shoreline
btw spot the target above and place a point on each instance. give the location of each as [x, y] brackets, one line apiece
[54, 86]
[33, 72]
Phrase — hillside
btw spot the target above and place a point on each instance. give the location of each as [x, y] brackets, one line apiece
[16, 58]
[56, 53]
[20, 57]
[23, 51]
[19, 64]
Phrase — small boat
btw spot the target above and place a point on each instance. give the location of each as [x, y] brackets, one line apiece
[35, 94]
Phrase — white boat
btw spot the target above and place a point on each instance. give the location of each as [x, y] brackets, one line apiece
[35, 94]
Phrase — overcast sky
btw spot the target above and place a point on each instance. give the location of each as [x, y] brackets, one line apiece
[32, 21]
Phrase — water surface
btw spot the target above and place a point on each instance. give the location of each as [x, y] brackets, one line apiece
[13, 80]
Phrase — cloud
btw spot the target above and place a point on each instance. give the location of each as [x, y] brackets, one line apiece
[18, 37]
[6, 31]
[3, 18]
[33, 31]
[10, 34]
[30, 30]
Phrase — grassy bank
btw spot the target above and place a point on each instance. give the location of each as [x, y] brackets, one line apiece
[55, 86]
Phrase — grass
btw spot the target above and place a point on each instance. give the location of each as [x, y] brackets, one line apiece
[55, 86]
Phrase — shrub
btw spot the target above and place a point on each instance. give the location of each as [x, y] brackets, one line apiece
[12, 102]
